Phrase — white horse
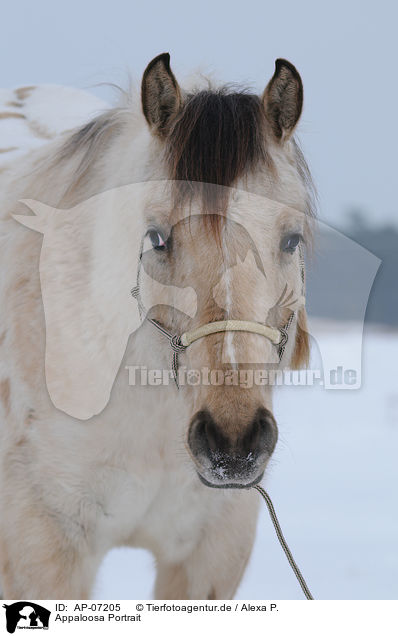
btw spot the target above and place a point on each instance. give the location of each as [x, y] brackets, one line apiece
[208, 191]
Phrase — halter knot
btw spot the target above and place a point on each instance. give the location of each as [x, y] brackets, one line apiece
[284, 337]
[176, 344]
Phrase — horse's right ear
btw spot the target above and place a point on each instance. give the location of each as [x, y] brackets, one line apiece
[160, 94]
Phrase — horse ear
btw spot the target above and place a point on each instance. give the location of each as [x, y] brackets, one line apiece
[160, 94]
[283, 99]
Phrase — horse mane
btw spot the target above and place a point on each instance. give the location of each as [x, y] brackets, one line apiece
[89, 143]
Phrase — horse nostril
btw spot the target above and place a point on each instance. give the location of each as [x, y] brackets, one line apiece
[204, 436]
[262, 434]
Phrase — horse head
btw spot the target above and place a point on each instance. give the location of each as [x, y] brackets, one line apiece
[215, 221]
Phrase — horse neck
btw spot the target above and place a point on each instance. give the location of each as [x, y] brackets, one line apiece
[68, 171]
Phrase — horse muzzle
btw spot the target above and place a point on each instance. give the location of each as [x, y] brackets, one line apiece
[235, 460]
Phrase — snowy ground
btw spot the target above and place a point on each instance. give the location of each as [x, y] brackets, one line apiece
[333, 481]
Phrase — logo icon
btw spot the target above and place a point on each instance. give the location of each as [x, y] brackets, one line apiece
[26, 615]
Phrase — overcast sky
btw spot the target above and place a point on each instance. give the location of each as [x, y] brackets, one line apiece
[346, 53]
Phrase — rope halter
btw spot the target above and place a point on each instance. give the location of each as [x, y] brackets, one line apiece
[179, 344]
[278, 336]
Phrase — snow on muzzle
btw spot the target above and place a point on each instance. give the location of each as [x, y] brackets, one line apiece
[232, 457]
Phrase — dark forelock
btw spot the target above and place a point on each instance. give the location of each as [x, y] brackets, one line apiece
[217, 137]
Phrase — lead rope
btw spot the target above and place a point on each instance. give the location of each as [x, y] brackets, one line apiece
[283, 543]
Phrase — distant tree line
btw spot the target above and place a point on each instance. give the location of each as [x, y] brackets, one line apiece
[340, 300]
[382, 241]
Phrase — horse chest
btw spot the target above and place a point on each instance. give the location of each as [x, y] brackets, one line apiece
[176, 517]
[147, 488]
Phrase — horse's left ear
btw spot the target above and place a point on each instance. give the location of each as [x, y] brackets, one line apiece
[160, 94]
[283, 99]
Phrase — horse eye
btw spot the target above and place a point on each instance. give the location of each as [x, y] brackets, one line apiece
[290, 242]
[157, 240]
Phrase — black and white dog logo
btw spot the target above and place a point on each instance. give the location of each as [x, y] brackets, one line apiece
[26, 615]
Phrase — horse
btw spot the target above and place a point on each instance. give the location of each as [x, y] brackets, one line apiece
[204, 191]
